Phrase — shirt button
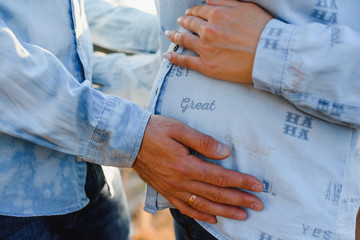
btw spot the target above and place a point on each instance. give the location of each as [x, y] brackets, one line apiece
[157, 91]
[176, 48]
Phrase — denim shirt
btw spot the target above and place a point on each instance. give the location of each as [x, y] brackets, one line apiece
[51, 118]
[297, 130]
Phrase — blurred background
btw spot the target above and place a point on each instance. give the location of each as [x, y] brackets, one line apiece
[145, 226]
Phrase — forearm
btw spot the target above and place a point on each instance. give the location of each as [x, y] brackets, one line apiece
[41, 102]
[315, 67]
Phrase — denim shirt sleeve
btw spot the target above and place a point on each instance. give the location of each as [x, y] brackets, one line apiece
[41, 102]
[315, 66]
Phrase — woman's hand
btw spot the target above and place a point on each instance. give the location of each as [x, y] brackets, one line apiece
[228, 34]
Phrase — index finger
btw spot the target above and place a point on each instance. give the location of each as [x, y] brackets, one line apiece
[202, 143]
[222, 177]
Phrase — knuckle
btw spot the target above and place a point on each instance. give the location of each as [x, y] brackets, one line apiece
[185, 173]
[180, 171]
[201, 206]
[245, 181]
[202, 173]
[216, 196]
[174, 59]
[172, 36]
[210, 67]
[185, 62]
[207, 32]
[222, 181]
[208, 48]
[188, 21]
[216, 13]
[210, 62]
[206, 143]
[185, 21]
[177, 37]
[182, 38]
[241, 202]
[176, 185]
[178, 60]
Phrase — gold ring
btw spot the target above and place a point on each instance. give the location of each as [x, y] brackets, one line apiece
[192, 200]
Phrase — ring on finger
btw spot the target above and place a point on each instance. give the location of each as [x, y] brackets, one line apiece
[191, 199]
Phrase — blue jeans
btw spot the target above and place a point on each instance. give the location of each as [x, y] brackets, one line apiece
[187, 228]
[106, 217]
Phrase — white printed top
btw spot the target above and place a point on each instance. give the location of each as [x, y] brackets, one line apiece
[297, 130]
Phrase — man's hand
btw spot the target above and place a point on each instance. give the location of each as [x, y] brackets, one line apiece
[228, 33]
[164, 161]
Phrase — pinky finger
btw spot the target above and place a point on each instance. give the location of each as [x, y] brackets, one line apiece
[187, 61]
[193, 213]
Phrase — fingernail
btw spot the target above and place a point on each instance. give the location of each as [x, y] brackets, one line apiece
[222, 150]
[256, 188]
[256, 206]
[167, 56]
[187, 11]
[240, 216]
[168, 33]
[179, 19]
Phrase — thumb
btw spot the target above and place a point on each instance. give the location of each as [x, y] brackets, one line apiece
[201, 143]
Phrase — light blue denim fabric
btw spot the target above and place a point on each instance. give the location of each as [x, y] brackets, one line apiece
[121, 28]
[130, 77]
[298, 131]
[51, 118]
[106, 217]
[124, 30]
